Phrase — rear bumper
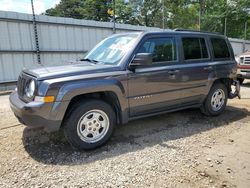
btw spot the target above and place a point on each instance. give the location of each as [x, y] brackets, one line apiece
[34, 114]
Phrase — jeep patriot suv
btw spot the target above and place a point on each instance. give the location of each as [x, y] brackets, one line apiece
[126, 77]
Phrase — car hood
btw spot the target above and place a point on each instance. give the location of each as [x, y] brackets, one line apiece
[245, 53]
[81, 68]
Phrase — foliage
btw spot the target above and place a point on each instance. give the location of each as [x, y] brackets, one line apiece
[213, 15]
[235, 13]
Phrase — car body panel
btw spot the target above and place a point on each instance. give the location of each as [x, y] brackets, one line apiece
[141, 92]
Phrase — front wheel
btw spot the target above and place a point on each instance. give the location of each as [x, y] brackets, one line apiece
[216, 100]
[89, 125]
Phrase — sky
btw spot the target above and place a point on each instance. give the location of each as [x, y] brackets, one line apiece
[24, 6]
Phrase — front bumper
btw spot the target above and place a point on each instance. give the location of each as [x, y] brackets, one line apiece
[35, 114]
[243, 71]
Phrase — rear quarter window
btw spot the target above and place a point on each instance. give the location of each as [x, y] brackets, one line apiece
[220, 48]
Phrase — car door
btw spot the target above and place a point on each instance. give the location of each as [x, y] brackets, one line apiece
[155, 87]
[196, 70]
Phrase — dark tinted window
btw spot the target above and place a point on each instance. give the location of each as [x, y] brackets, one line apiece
[220, 48]
[194, 48]
[162, 49]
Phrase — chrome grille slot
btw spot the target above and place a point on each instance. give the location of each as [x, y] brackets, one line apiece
[247, 60]
[20, 86]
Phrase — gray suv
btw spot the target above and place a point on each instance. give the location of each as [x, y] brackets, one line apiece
[126, 77]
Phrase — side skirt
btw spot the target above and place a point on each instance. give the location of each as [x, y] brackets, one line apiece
[164, 112]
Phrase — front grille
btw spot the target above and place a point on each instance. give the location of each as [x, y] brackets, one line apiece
[20, 86]
[247, 60]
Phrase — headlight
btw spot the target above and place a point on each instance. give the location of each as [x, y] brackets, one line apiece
[30, 89]
[237, 59]
[241, 60]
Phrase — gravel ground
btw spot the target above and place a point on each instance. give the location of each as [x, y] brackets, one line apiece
[181, 149]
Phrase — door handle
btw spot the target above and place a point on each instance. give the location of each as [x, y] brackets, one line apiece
[208, 68]
[173, 71]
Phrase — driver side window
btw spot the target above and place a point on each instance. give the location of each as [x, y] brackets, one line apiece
[162, 49]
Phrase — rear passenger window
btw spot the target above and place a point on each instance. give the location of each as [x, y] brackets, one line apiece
[162, 49]
[194, 48]
[220, 48]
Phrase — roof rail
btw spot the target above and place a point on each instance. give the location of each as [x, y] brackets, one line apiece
[191, 30]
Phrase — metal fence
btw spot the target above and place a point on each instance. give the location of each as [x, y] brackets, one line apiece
[60, 40]
[239, 45]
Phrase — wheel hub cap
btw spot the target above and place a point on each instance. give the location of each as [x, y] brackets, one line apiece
[218, 99]
[93, 126]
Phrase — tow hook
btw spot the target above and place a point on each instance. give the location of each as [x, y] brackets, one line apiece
[236, 92]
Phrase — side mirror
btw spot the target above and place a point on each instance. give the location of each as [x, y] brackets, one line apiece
[141, 59]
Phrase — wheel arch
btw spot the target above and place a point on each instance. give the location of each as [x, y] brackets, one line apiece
[110, 97]
[226, 81]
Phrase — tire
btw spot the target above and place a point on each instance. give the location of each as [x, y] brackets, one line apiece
[89, 125]
[216, 100]
[241, 80]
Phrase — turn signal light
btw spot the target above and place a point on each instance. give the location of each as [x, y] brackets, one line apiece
[46, 99]
[49, 99]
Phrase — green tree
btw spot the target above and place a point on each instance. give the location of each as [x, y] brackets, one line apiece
[182, 14]
[233, 13]
[67, 8]
[178, 13]
[124, 12]
[96, 10]
[79, 9]
[150, 13]
[92, 10]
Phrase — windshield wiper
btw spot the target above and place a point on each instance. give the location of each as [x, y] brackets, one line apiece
[90, 60]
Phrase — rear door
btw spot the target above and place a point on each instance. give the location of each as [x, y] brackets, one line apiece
[196, 69]
[223, 57]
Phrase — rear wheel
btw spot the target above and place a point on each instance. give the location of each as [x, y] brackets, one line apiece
[89, 125]
[216, 100]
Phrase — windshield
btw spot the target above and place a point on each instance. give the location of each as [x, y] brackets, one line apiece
[112, 49]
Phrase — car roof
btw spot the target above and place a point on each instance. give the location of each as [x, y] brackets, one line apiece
[176, 32]
[185, 32]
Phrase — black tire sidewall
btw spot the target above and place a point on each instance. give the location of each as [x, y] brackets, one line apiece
[208, 106]
[70, 125]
